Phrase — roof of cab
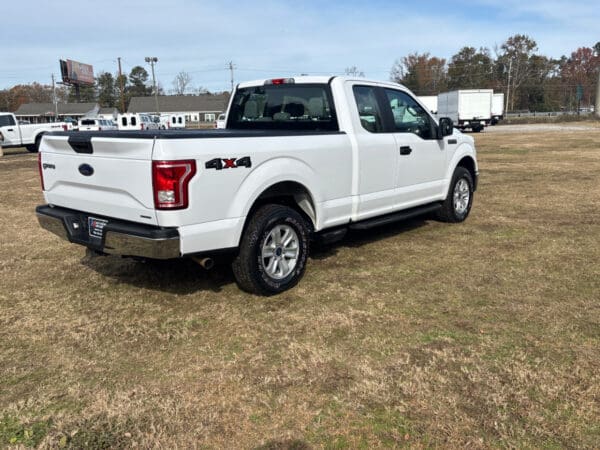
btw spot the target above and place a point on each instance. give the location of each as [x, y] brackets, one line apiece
[315, 80]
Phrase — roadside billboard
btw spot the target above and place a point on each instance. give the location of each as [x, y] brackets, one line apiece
[74, 72]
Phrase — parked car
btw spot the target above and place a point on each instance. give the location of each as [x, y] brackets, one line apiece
[95, 124]
[301, 159]
[72, 124]
[220, 123]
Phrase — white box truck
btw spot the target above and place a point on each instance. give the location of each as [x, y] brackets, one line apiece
[497, 108]
[430, 101]
[468, 108]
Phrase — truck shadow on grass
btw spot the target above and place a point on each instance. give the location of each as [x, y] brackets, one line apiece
[359, 238]
[185, 276]
[178, 276]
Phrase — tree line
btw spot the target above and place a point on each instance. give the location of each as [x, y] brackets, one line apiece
[535, 82]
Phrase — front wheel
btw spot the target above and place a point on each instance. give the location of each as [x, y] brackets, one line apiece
[273, 251]
[459, 200]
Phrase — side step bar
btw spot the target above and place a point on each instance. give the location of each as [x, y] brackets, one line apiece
[395, 217]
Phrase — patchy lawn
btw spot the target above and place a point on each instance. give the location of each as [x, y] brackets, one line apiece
[423, 334]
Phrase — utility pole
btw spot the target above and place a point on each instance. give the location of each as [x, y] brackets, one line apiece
[231, 67]
[153, 60]
[508, 88]
[122, 88]
[54, 100]
[597, 107]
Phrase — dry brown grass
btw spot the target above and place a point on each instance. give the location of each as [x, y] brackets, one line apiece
[482, 334]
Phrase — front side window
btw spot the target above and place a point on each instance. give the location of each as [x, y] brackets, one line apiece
[409, 116]
[368, 108]
[283, 107]
[7, 121]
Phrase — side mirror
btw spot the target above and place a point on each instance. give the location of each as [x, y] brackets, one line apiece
[445, 127]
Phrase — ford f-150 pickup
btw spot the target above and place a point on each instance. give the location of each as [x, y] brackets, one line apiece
[14, 134]
[300, 159]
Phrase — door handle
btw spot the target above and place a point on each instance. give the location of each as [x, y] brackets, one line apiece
[10, 129]
[405, 150]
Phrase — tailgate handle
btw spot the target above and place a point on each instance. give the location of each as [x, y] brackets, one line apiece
[81, 144]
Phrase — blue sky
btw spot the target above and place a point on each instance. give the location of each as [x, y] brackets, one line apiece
[270, 38]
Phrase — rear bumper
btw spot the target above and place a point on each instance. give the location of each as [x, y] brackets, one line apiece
[118, 237]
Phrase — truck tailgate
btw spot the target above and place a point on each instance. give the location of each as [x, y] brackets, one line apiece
[104, 176]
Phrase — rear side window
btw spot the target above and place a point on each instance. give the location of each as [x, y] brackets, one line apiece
[7, 121]
[368, 108]
[284, 107]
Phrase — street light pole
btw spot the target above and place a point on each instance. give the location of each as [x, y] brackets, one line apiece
[153, 60]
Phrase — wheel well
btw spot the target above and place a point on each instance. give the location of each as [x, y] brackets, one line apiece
[468, 163]
[291, 194]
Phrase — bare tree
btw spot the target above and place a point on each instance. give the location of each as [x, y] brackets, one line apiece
[354, 72]
[181, 82]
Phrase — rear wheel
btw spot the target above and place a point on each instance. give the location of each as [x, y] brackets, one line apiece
[459, 200]
[273, 251]
[36, 146]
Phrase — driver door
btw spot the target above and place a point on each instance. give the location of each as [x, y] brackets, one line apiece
[422, 160]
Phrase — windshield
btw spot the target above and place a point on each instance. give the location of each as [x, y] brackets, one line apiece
[283, 107]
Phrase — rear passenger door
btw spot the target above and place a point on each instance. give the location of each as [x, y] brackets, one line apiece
[377, 154]
[422, 157]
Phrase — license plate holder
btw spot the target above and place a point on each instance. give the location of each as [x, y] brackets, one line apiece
[96, 227]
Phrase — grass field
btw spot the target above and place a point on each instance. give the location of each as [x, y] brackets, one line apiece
[482, 334]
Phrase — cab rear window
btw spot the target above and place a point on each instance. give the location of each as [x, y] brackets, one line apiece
[283, 107]
[88, 122]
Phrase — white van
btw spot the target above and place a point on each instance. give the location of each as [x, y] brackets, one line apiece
[176, 121]
[130, 121]
[95, 124]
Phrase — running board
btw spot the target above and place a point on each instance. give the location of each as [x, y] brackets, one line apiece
[395, 217]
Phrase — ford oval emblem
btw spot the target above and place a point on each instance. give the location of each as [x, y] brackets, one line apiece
[86, 170]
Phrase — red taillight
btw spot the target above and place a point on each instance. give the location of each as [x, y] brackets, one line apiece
[65, 127]
[170, 181]
[40, 170]
[142, 126]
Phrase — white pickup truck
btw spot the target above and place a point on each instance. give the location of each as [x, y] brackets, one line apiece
[13, 134]
[301, 158]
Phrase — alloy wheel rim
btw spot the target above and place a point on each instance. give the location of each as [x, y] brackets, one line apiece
[279, 251]
[461, 196]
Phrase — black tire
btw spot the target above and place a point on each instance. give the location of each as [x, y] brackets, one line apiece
[249, 267]
[450, 211]
[477, 129]
[35, 147]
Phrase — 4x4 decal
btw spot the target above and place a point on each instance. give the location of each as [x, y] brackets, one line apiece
[228, 163]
